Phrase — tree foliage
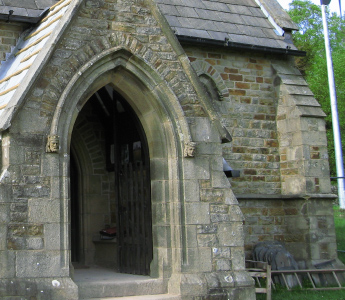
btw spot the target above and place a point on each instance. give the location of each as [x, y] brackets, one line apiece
[310, 38]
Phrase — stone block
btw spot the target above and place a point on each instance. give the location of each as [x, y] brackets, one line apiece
[203, 131]
[51, 164]
[221, 252]
[199, 259]
[293, 185]
[39, 288]
[16, 155]
[315, 138]
[217, 217]
[207, 240]
[34, 243]
[192, 284]
[237, 258]
[3, 235]
[160, 213]
[4, 213]
[30, 122]
[7, 264]
[192, 191]
[191, 236]
[223, 265]
[230, 234]
[158, 169]
[52, 237]
[44, 211]
[197, 213]
[42, 264]
[211, 228]
[297, 223]
[160, 190]
[212, 195]
[162, 235]
[196, 168]
[230, 199]
[18, 217]
[33, 170]
[5, 193]
[209, 148]
[219, 179]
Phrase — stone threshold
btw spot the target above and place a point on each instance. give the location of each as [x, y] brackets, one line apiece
[99, 283]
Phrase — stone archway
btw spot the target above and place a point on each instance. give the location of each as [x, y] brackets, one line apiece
[166, 131]
[110, 186]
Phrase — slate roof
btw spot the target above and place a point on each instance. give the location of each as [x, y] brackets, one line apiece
[230, 21]
[14, 71]
[24, 10]
[227, 22]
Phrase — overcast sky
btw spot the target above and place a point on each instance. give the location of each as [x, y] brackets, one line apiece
[334, 5]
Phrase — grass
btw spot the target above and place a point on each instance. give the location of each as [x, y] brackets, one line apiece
[339, 223]
[298, 294]
[304, 295]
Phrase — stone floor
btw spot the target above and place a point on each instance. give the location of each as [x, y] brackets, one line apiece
[101, 283]
[98, 274]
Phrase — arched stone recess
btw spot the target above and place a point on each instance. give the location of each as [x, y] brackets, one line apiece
[133, 75]
[216, 91]
[121, 50]
[204, 68]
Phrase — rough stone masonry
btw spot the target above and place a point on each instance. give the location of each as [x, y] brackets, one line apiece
[197, 99]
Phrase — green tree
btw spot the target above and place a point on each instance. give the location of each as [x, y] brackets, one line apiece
[313, 66]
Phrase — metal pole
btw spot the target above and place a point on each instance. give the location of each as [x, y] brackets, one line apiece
[335, 119]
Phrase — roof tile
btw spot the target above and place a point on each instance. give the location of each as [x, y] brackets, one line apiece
[216, 35]
[227, 27]
[203, 24]
[169, 10]
[193, 3]
[20, 3]
[187, 12]
[173, 21]
[193, 32]
[207, 14]
[211, 5]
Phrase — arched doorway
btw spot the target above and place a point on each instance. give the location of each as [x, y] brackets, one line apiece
[110, 188]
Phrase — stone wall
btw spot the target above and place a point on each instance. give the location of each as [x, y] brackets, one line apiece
[9, 35]
[279, 144]
[305, 226]
[197, 224]
[248, 108]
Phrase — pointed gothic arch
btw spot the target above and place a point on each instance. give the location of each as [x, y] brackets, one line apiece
[160, 114]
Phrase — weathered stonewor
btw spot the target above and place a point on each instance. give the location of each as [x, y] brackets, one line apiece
[128, 48]
[113, 75]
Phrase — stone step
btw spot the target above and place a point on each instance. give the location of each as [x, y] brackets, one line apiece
[120, 289]
[145, 297]
[102, 283]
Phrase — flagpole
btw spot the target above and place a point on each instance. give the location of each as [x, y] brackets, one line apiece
[334, 110]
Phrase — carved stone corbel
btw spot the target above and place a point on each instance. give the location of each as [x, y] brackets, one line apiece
[52, 144]
[189, 149]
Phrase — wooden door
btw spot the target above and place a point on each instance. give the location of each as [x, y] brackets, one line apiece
[134, 220]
